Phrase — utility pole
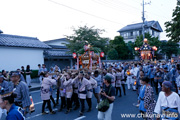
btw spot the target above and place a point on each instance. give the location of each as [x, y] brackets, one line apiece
[143, 18]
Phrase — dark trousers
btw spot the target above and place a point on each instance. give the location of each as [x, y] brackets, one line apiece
[63, 102]
[156, 86]
[75, 99]
[175, 86]
[52, 99]
[57, 96]
[82, 105]
[44, 104]
[118, 89]
[152, 82]
[69, 104]
[124, 88]
[89, 102]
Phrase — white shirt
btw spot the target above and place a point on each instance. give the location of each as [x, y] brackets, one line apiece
[172, 101]
[136, 71]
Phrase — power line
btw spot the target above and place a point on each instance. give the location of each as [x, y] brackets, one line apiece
[85, 12]
[103, 3]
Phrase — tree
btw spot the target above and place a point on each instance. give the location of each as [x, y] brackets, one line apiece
[169, 48]
[119, 45]
[112, 54]
[152, 41]
[87, 35]
[130, 46]
[172, 27]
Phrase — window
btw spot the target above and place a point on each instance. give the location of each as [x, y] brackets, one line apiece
[140, 32]
[152, 32]
[131, 34]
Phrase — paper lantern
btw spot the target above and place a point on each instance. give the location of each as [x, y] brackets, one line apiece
[74, 55]
[102, 54]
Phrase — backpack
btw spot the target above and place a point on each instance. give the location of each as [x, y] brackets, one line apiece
[103, 106]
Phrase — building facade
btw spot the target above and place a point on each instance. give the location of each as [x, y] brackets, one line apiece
[58, 54]
[17, 51]
[130, 32]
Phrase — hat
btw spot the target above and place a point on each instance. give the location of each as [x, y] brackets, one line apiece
[108, 78]
[14, 74]
[167, 84]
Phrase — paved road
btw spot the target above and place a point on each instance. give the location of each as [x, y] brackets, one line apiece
[122, 105]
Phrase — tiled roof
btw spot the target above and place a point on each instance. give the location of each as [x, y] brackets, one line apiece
[58, 47]
[57, 53]
[61, 39]
[139, 26]
[21, 41]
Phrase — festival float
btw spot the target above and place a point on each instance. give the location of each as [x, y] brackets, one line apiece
[89, 59]
[146, 51]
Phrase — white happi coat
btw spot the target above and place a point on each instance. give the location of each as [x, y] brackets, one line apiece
[45, 88]
[112, 78]
[62, 88]
[82, 88]
[93, 84]
[68, 87]
[75, 83]
[118, 79]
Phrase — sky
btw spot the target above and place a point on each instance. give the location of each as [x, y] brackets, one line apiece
[53, 19]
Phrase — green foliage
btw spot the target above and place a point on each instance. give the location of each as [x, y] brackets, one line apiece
[169, 48]
[112, 54]
[119, 45]
[130, 46]
[85, 35]
[172, 27]
[152, 41]
[34, 74]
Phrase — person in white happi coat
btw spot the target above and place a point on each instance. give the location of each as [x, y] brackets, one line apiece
[168, 103]
[118, 82]
[45, 92]
[93, 84]
[129, 74]
[83, 84]
[96, 90]
[135, 75]
[112, 73]
[75, 98]
[69, 90]
[62, 93]
[123, 80]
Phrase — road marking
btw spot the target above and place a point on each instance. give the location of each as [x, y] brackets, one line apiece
[79, 118]
[39, 114]
[38, 103]
[42, 102]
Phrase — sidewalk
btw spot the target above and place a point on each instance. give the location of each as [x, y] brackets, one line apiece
[35, 84]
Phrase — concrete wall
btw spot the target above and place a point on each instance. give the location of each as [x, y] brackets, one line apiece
[12, 58]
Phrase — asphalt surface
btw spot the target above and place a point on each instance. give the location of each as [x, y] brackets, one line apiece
[122, 105]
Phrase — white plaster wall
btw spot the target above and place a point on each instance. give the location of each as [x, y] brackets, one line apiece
[12, 58]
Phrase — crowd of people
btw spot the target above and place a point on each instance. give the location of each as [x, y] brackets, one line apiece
[75, 87]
